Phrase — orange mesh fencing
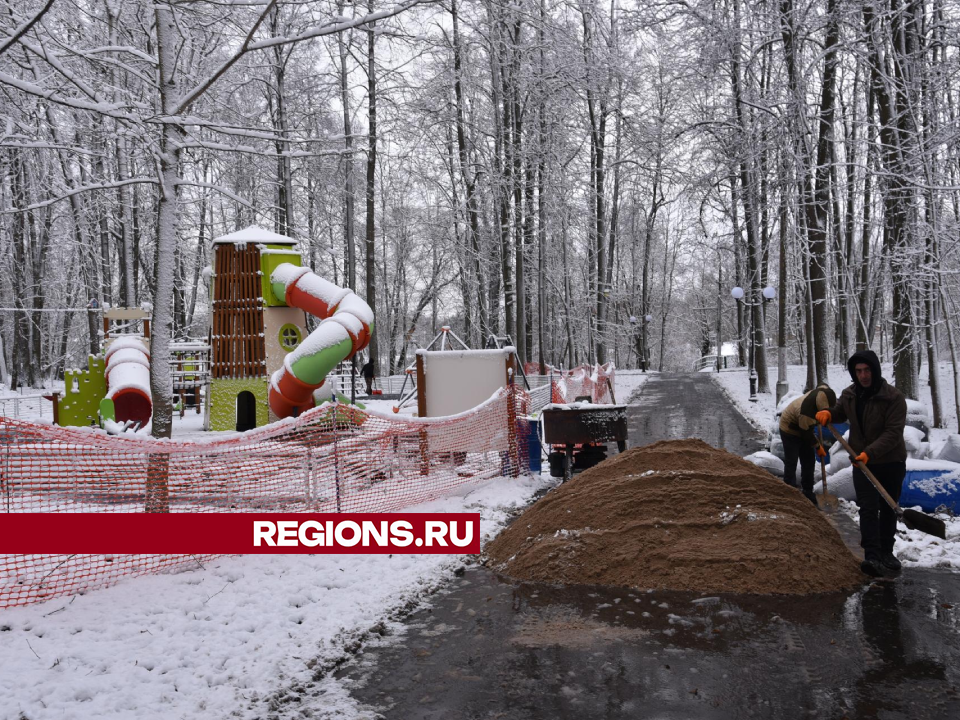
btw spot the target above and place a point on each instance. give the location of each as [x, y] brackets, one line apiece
[334, 458]
[595, 381]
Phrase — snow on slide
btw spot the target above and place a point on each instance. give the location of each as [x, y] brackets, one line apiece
[347, 322]
[128, 380]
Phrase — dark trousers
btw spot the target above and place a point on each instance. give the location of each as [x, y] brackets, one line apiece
[794, 448]
[369, 382]
[878, 521]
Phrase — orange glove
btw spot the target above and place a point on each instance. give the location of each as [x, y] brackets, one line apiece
[862, 458]
[823, 417]
[821, 453]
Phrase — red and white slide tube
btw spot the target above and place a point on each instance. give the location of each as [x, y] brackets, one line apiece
[347, 322]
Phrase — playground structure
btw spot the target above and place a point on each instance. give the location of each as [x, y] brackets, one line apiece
[264, 366]
[450, 382]
[260, 364]
[190, 370]
[115, 386]
[465, 365]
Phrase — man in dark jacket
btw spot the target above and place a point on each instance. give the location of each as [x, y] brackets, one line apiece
[877, 413]
[367, 372]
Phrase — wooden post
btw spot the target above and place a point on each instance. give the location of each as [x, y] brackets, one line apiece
[55, 399]
[157, 486]
[422, 412]
[421, 388]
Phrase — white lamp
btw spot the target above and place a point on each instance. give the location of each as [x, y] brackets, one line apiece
[737, 293]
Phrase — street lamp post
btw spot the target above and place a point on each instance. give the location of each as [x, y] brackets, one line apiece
[640, 339]
[647, 319]
[719, 315]
[768, 294]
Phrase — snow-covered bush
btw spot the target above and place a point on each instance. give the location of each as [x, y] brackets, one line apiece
[776, 447]
[918, 417]
[950, 450]
[913, 439]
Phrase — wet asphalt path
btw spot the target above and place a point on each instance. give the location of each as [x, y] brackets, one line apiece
[673, 407]
[487, 647]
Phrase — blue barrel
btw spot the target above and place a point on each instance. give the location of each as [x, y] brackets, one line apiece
[917, 491]
[828, 437]
[533, 445]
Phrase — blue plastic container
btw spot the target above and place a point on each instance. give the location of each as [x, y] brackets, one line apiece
[533, 445]
[912, 495]
[828, 436]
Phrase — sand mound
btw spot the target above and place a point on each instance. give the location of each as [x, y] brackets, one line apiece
[677, 515]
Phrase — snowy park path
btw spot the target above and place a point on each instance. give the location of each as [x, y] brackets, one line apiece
[676, 407]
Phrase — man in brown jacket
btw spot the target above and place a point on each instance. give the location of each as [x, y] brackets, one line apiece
[877, 413]
[797, 423]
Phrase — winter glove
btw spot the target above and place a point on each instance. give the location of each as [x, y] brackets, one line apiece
[823, 417]
[862, 458]
[821, 453]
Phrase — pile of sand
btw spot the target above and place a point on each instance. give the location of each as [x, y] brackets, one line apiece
[677, 515]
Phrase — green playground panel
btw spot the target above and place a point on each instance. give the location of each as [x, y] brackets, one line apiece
[108, 410]
[223, 401]
[269, 263]
[85, 389]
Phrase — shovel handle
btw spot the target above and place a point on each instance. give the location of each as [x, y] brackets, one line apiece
[823, 464]
[870, 476]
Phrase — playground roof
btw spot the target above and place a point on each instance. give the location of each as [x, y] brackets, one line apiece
[255, 234]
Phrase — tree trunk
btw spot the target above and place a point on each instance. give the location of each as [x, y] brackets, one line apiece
[373, 349]
[469, 182]
[350, 271]
[165, 257]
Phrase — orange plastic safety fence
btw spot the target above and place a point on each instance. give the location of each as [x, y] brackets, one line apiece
[334, 458]
[593, 381]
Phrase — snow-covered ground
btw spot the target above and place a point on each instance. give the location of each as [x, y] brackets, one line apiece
[628, 382]
[912, 547]
[227, 640]
[221, 641]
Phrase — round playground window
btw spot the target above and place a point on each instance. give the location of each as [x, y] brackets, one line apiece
[290, 337]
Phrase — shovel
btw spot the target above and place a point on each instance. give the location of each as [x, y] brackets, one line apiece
[911, 518]
[829, 501]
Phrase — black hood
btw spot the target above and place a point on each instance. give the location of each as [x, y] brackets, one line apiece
[870, 358]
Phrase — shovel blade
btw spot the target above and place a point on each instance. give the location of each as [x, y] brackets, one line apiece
[828, 501]
[924, 523]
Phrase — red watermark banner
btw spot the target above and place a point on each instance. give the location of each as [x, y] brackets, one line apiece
[239, 533]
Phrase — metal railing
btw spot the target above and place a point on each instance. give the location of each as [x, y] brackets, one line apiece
[26, 407]
[390, 385]
[730, 362]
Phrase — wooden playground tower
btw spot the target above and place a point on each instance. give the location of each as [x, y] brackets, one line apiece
[252, 330]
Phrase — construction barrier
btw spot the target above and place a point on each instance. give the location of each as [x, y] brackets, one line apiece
[593, 381]
[333, 458]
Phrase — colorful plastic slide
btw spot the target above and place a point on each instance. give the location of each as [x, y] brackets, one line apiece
[347, 322]
[128, 380]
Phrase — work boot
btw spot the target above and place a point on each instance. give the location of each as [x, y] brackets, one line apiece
[890, 562]
[873, 568]
[809, 495]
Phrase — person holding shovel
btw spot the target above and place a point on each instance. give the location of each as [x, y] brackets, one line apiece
[877, 413]
[797, 423]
